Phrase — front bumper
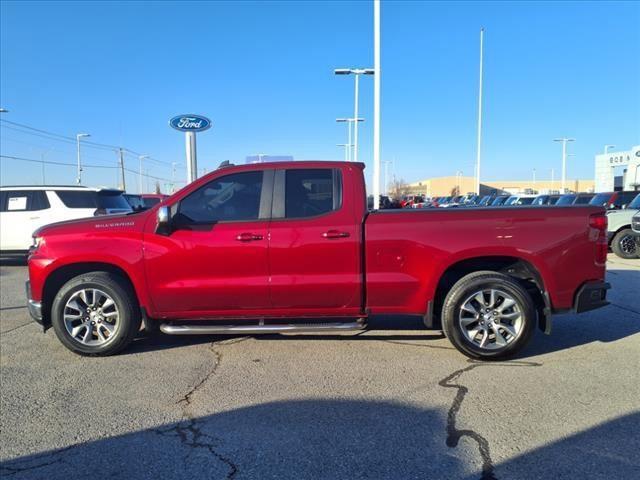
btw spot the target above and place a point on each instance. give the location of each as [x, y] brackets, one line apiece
[590, 296]
[35, 308]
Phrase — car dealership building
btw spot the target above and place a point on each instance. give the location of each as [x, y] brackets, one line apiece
[618, 170]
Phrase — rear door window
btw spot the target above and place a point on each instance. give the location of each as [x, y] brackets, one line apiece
[78, 199]
[311, 192]
[24, 201]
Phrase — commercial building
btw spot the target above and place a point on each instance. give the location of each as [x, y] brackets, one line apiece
[443, 186]
[618, 170]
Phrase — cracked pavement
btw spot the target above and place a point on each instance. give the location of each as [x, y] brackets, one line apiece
[386, 403]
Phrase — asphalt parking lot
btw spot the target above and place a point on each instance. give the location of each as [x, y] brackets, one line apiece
[386, 403]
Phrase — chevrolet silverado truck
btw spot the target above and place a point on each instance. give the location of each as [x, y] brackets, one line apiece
[292, 247]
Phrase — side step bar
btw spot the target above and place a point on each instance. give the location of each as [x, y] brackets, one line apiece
[195, 329]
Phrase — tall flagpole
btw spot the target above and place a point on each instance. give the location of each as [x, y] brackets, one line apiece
[479, 144]
[376, 104]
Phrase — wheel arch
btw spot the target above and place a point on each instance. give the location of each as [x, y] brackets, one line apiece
[61, 275]
[617, 231]
[519, 268]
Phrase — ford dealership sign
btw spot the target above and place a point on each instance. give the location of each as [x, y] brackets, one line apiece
[190, 123]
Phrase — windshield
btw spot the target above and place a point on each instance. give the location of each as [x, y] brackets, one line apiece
[150, 202]
[525, 201]
[601, 199]
[566, 200]
[485, 200]
[635, 203]
[511, 200]
[541, 200]
[499, 201]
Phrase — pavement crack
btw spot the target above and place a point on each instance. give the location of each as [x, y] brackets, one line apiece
[38, 461]
[189, 431]
[186, 400]
[190, 434]
[626, 309]
[453, 434]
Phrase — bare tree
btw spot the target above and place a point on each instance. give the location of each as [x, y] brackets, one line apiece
[398, 187]
[158, 187]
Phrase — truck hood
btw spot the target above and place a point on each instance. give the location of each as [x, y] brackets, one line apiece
[132, 222]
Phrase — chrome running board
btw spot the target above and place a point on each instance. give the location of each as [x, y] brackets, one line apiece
[195, 329]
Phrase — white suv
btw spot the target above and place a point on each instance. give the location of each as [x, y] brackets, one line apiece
[25, 209]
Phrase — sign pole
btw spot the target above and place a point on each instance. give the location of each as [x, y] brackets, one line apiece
[192, 159]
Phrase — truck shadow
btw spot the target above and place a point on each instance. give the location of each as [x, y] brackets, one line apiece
[325, 438]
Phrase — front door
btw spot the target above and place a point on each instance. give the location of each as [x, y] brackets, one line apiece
[315, 241]
[214, 263]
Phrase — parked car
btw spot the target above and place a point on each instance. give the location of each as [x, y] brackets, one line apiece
[623, 242]
[24, 209]
[486, 201]
[517, 200]
[293, 241]
[613, 200]
[452, 202]
[499, 200]
[635, 224]
[135, 201]
[408, 200]
[385, 202]
[152, 199]
[545, 200]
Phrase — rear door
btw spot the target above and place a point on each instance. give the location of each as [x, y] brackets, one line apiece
[21, 213]
[315, 241]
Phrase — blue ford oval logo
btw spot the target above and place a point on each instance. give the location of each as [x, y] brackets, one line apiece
[190, 123]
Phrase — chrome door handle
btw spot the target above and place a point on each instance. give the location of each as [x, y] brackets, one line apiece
[248, 237]
[335, 234]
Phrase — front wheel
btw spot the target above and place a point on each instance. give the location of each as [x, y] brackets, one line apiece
[95, 313]
[488, 315]
[625, 244]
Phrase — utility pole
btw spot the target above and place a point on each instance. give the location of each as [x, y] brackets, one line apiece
[78, 137]
[564, 141]
[479, 139]
[140, 159]
[123, 185]
[376, 104]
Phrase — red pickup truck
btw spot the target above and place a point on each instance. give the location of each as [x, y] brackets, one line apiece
[288, 247]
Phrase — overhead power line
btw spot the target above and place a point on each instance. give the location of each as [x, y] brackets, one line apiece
[66, 164]
[64, 138]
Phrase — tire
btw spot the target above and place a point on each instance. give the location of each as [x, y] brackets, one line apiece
[514, 322]
[89, 294]
[625, 244]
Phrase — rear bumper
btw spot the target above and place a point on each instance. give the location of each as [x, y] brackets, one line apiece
[35, 308]
[590, 296]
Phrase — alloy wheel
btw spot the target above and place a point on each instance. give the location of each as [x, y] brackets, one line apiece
[491, 319]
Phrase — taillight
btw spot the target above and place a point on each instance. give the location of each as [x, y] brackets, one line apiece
[598, 222]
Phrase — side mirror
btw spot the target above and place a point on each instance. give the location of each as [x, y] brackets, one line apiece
[163, 226]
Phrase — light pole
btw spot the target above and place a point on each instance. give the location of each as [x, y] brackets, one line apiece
[479, 138]
[553, 178]
[42, 155]
[349, 122]
[564, 141]
[78, 137]
[607, 147]
[356, 72]
[386, 176]
[4, 110]
[140, 159]
[376, 104]
[346, 150]
[534, 177]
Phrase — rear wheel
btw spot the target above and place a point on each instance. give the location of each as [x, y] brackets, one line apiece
[488, 315]
[95, 313]
[625, 244]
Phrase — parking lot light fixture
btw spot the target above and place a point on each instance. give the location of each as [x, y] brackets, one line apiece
[356, 72]
[564, 141]
[349, 122]
[4, 110]
[78, 137]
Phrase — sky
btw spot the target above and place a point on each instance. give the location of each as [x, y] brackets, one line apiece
[263, 73]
